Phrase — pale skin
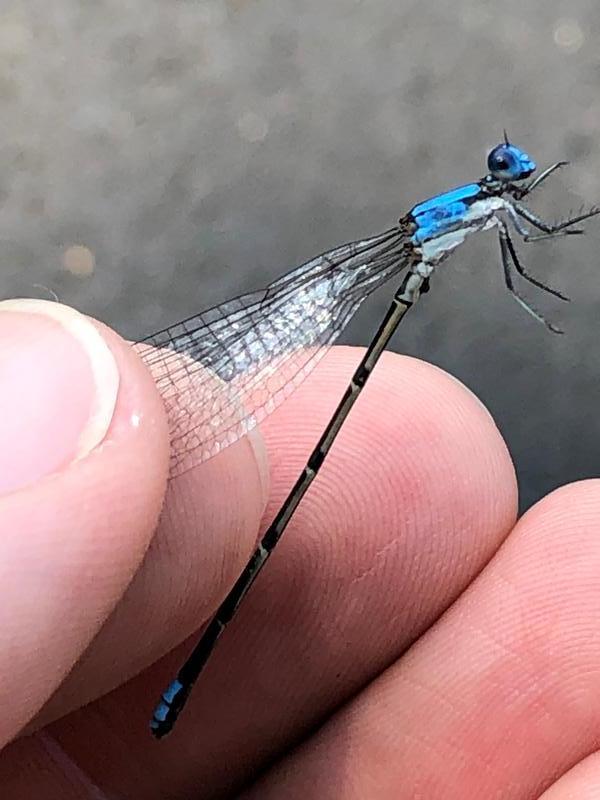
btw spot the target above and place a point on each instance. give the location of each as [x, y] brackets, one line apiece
[409, 535]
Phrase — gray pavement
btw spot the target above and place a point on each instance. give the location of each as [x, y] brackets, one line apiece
[157, 157]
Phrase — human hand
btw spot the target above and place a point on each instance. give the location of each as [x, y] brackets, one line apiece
[496, 698]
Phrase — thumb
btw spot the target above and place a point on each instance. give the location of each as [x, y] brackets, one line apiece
[83, 468]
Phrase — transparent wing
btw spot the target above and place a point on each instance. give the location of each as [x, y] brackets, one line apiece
[222, 371]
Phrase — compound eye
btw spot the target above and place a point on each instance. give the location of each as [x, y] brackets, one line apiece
[502, 163]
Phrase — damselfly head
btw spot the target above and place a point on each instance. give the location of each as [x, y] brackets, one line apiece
[507, 163]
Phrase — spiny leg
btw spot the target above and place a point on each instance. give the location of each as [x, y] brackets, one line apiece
[522, 231]
[509, 254]
[523, 272]
[550, 230]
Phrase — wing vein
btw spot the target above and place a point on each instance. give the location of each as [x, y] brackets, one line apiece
[224, 370]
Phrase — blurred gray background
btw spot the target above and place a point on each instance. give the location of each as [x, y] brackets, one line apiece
[158, 156]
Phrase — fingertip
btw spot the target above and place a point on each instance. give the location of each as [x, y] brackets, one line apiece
[412, 422]
[564, 524]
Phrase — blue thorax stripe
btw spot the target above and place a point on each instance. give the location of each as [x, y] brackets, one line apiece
[466, 192]
[443, 213]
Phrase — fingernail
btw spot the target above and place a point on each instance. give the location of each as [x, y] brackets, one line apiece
[58, 389]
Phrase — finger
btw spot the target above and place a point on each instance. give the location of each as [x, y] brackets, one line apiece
[79, 420]
[580, 783]
[499, 698]
[413, 500]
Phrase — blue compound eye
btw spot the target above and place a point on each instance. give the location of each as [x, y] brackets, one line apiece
[507, 163]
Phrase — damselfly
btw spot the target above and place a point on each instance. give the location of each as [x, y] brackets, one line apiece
[221, 372]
